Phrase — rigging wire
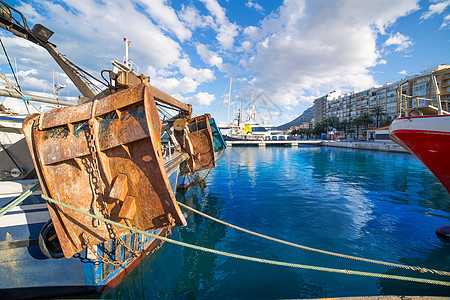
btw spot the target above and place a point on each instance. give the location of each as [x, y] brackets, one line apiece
[24, 98]
[12, 69]
[14, 73]
[10, 156]
[167, 106]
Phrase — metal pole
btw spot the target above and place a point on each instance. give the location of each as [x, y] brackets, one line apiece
[438, 94]
[13, 94]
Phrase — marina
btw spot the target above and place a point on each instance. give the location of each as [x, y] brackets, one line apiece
[128, 188]
[371, 204]
[259, 143]
[387, 146]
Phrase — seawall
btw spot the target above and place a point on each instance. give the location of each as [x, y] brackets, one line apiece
[387, 146]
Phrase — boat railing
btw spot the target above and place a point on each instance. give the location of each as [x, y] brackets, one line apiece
[410, 105]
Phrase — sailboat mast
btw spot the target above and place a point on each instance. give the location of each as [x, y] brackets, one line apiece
[229, 99]
[252, 107]
[240, 113]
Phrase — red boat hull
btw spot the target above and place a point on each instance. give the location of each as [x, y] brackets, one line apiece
[428, 138]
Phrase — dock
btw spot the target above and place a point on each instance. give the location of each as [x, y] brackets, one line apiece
[387, 146]
[260, 143]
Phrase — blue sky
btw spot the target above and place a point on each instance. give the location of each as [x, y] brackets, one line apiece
[286, 52]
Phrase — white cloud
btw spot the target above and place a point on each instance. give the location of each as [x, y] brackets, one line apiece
[434, 9]
[216, 10]
[246, 45]
[175, 86]
[209, 57]
[403, 72]
[90, 33]
[402, 42]
[446, 22]
[251, 4]
[310, 48]
[192, 18]
[167, 18]
[202, 99]
[226, 35]
[201, 75]
[226, 31]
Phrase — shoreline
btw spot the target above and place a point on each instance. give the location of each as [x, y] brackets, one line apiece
[385, 145]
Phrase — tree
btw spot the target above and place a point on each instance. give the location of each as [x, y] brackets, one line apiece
[377, 112]
[344, 125]
[320, 127]
[386, 122]
[366, 119]
[357, 122]
[333, 122]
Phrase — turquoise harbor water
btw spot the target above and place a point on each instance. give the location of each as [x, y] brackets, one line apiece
[377, 205]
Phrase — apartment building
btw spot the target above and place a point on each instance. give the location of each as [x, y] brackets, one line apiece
[355, 104]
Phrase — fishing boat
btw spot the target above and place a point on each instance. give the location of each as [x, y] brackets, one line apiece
[99, 160]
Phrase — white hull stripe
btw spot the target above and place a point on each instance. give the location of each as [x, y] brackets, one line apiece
[23, 208]
[24, 219]
[15, 195]
[436, 124]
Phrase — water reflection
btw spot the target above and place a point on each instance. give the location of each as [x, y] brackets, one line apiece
[198, 268]
[383, 206]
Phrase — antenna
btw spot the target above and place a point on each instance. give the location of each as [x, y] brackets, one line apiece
[127, 60]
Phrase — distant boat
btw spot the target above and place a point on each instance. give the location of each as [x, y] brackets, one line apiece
[246, 127]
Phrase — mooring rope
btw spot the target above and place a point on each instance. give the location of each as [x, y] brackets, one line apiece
[413, 268]
[255, 259]
[24, 195]
[19, 199]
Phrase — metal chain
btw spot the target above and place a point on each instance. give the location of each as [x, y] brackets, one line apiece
[168, 232]
[96, 176]
[94, 172]
[161, 242]
[104, 259]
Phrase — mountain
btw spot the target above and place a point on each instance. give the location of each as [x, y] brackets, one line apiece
[306, 116]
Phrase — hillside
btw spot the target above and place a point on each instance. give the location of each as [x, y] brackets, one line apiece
[306, 116]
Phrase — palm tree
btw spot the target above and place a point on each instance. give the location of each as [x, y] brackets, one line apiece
[386, 122]
[357, 122]
[344, 125]
[333, 122]
[366, 119]
[320, 127]
[377, 112]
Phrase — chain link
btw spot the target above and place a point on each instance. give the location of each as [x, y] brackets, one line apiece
[104, 259]
[94, 173]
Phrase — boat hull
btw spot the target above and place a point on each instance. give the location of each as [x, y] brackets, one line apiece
[428, 138]
[26, 272]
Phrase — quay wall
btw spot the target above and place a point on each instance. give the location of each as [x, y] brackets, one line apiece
[378, 146]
